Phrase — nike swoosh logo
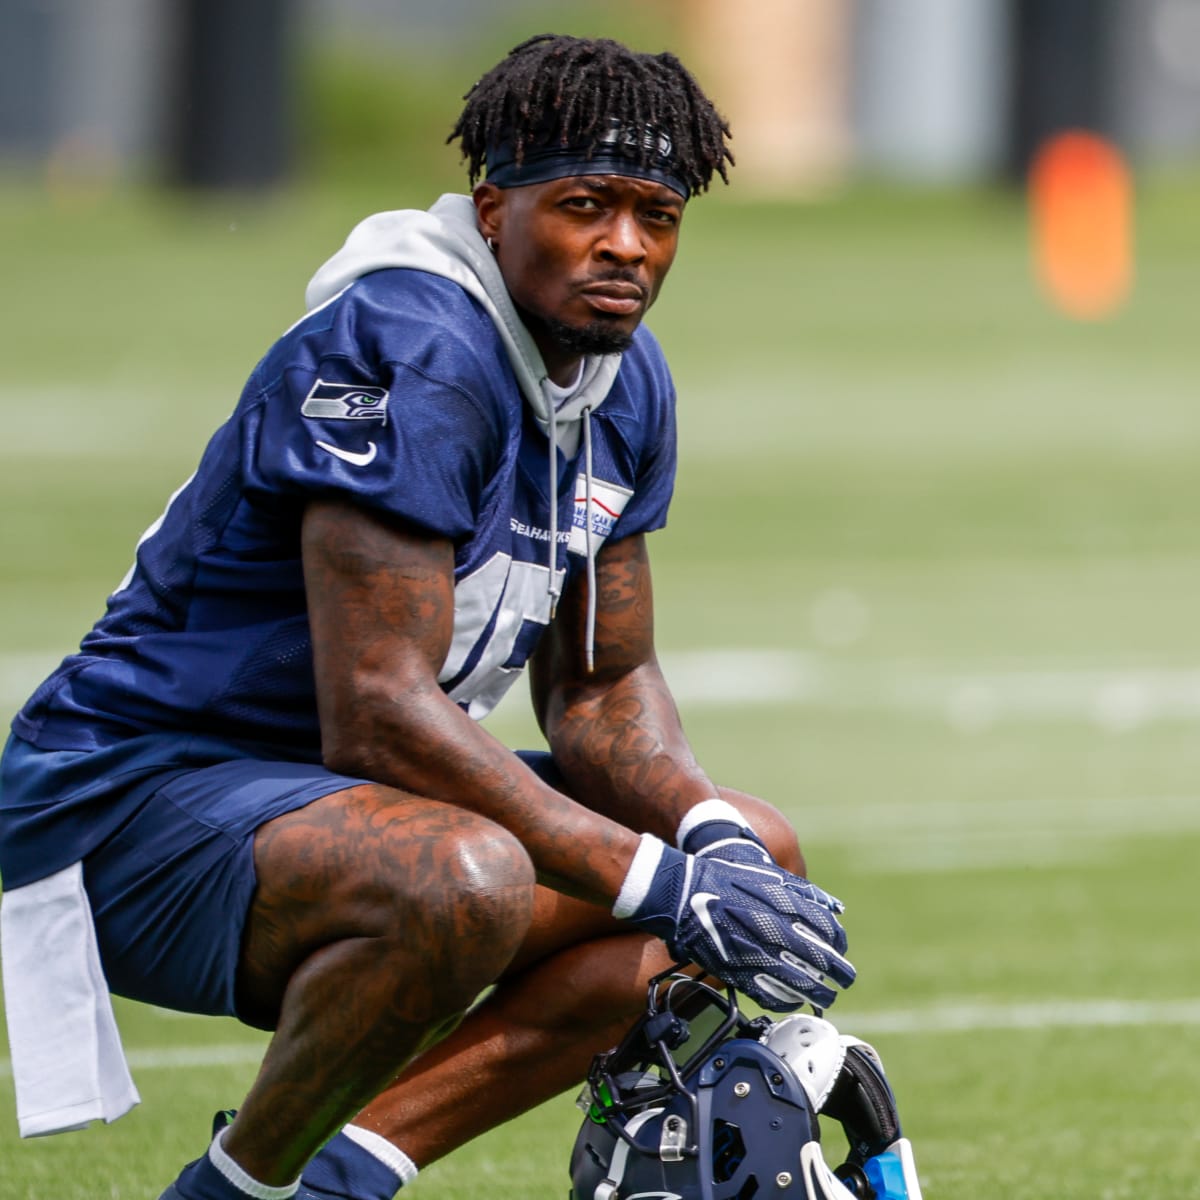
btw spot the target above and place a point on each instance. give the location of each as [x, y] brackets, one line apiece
[702, 903]
[353, 457]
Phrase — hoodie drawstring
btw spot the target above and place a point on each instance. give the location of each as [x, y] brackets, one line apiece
[590, 638]
[589, 649]
[553, 588]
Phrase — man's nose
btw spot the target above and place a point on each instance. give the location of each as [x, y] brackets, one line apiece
[622, 240]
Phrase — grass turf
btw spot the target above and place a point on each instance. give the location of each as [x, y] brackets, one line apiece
[901, 471]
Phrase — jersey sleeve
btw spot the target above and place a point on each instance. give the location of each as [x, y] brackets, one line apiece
[655, 447]
[396, 421]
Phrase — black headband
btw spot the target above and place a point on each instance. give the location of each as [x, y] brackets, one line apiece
[619, 150]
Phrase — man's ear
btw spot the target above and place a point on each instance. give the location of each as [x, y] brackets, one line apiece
[489, 203]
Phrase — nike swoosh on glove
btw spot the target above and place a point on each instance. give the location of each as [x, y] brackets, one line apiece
[754, 854]
[751, 924]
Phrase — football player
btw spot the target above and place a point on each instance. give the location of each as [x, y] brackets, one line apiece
[260, 788]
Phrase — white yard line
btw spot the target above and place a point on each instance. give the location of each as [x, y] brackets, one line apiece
[228, 1054]
[982, 1017]
[936, 834]
[968, 1017]
[968, 699]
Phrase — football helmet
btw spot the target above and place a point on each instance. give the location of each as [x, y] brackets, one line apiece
[700, 1102]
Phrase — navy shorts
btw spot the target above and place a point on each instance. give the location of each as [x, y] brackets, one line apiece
[171, 876]
[170, 891]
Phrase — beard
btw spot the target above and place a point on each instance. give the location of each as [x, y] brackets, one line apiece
[596, 337]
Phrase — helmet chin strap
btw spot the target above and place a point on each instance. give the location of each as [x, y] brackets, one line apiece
[607, 1188]
[820, 1183]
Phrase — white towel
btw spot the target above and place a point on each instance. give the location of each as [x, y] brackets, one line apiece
[67, 1061]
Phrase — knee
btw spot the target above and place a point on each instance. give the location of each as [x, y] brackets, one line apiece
[422, 897]
[773, 827]
[493, 879]
[474, 908]
[447, 898]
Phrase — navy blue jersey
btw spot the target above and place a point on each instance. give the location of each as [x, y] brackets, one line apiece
[399, 396]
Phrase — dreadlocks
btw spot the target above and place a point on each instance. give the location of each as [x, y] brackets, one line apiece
[554, 89]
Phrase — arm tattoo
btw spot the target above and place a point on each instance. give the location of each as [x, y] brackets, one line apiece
[381, 610]
[616, 733]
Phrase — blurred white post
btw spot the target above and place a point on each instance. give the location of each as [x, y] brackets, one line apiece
[82, 81]
[777, 69]
[1157, 78]
[931, 88]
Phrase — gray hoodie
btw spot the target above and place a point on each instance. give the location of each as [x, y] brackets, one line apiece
[446, 241]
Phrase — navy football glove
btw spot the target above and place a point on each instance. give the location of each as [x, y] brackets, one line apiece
[715, 829]
[751, 924]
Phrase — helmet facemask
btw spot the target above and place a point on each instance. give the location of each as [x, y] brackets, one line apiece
[700, 1102]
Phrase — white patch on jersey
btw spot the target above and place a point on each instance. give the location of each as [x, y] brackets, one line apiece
[516, 592]
[608, 503]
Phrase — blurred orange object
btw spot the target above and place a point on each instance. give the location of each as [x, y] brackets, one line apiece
[1081, 210]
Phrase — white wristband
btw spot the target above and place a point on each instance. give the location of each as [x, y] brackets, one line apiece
[708, 810]
[639, 876]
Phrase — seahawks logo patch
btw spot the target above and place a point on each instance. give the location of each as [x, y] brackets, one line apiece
[345, 402]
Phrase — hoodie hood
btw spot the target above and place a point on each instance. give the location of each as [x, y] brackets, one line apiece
[445, 241]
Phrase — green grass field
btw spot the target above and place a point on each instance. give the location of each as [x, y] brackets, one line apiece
[930, 585]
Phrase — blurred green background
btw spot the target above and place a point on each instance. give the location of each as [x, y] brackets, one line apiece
[929, 585]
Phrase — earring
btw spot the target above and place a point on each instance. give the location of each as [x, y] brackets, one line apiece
[491, 245]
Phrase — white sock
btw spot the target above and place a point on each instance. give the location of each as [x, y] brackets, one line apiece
[239, 1178]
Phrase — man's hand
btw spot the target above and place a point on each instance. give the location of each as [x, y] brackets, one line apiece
[743, 918]
[715, 829]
